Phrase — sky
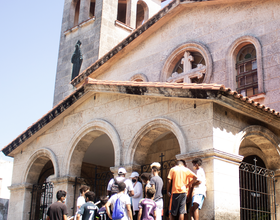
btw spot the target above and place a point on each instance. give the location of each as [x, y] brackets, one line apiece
[30, 33]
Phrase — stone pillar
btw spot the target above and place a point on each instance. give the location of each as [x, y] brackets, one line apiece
[222, 182]
[277, 191]
[20, 201]
[84, 10]
[131, 8]
[68, 184]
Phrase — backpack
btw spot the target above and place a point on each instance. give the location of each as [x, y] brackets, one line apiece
[118, 211]
[115, 189]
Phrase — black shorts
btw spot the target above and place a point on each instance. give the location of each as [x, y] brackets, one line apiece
[178, 205]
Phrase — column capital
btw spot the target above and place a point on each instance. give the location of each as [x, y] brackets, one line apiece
[214, 153]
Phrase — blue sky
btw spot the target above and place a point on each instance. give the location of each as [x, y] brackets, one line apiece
[30, 32]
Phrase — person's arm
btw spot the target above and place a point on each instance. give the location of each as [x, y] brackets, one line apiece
[78, 216]
[107, 206]
[168, 186]
[48, 218]
[139, 214]
[64, 217]
[155, 214]
[128, 206]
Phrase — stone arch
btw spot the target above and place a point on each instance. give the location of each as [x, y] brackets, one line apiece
[40, 157]
[85, 135]
[153, 129]
[265, 144]
[139, 77]
[231, 60]
[177, 54]
[142, 12]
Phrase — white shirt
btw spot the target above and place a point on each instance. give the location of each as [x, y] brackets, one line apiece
[201, 188]
[125, 200]
[138, 195]
[128, 183]
[81, 200]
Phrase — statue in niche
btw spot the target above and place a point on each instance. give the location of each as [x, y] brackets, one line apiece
[77, 59]
[188, 72]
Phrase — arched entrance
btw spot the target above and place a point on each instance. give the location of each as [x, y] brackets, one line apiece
[256, 174]
[41, 167]
[157, 141]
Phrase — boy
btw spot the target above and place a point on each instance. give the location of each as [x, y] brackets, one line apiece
[124, 200]
[147, 207]
[88, 210]
[199, 189]
[102, 215]
[58, 210]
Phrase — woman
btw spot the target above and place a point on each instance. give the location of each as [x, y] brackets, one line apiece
[138, 193]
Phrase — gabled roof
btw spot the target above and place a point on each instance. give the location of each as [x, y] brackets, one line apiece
[214, 92]
[135, 34]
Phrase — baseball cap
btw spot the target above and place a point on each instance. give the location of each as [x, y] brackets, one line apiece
[121, 171]
[134, 174]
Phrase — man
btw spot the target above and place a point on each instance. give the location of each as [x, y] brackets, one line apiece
[113, 184]
[147, 207]
[58, 210]
[180, 176]
[157, 183]
[124, 202]
[88, 210]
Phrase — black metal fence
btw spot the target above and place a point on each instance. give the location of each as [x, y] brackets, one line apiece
[41, 199]
[257, 193]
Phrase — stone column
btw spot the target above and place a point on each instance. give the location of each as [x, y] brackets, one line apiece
[131, 8]
[20, 201]
[84, 10]
[68, 184]
[222, 182]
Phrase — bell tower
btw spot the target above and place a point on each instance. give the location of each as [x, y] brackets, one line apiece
[98, 25]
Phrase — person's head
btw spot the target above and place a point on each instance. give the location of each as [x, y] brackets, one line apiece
[181, 163]
[150, 192]
[84, 189]
[134, 177]
[155, 166]
[61, 195]
[145, 177]
[196, 163]
[104, 200]
[121, 186]
[89, 196]
[121, 171]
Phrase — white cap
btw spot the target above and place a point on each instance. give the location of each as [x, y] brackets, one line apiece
[121, 171]
[155, 164]
[134, 174]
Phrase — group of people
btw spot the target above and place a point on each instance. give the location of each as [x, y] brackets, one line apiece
[128, 199]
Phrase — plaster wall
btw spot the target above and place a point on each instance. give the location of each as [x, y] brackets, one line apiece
[217, 27]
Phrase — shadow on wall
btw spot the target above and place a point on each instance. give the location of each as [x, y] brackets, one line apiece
[4, 203]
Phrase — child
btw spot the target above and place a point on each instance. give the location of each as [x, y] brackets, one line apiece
[89, 210]
[147, 206]
[199, 189]
[102, 215]
[146, 180]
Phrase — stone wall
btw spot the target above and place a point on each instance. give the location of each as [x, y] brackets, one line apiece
[4, 204]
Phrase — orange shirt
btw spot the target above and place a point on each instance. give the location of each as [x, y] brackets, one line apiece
[180, 176]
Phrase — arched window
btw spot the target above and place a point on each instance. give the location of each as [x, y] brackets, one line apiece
[122, 11]
[77, 12]
[142, 13]
[246, 66]
[92, 9]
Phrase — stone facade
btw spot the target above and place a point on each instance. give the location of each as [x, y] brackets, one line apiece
[141, 116]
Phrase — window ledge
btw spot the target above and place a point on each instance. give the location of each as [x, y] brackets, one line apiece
[84, 23]
[124, 26]
[257, 97]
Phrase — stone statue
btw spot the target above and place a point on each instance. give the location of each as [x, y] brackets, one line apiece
[77, 59]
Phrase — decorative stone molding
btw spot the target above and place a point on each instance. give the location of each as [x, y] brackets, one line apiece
[82, 24]
[159, 123]
[210, 153]
[43, 152]
[178, 53]
[140, 76]
[16, 187]
[231, 60]
[51, 115]
[98, 125]
[64, 179]
[124, 26]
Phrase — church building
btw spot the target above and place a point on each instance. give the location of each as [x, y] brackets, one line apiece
[137, 83]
